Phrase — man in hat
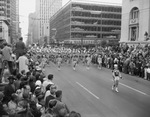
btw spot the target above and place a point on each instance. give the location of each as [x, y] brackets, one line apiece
[9, 89]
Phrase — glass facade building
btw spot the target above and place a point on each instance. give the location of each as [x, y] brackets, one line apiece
[89, 23]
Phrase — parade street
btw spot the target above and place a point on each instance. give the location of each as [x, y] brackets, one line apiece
[89, 92]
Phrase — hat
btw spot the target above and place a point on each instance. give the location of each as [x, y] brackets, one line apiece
[38, 91]
[115, 66]
[38, 68]
[11, 77]
[38, 83]
[1, 95]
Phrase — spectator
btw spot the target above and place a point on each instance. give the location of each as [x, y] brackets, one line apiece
[48, 81]
[47, 92]
[44, 114]
[9, 89]
[148, 73]
[74, 114]
[19, 48]
[34, 109]
[23, 109]
[23, 63]
[59, 105]
[32, 84]
[51, 96]
[12, 104]
[1, 64]
[2, 110]
[17, 81]
[6, 52]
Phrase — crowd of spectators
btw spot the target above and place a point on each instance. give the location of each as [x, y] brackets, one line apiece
[28, 92]
[133, 60]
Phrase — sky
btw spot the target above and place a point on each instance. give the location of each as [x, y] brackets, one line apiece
[28, 6]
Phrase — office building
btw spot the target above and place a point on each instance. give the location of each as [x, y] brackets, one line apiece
[86, 22]
[135, 26]
[9, 10]
[32, 29]
[4, 28]
[44, 10]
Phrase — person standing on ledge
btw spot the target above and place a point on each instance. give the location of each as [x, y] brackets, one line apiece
[20, 48]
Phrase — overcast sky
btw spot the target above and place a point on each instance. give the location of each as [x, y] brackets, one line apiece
[28, 6]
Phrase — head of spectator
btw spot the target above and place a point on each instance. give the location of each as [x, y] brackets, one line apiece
[18, 76]
[48, 87]
[58, 94]
[6, 75]
[19, 94]
[1, 96]
[53, 89]
[14, 97]
[28, 74]
[38, 91]
[52, 103]
[37, 75]
[50, 77]
[22, 106]
[74, 114]
[21, 39]
[11, 79]
[23, 72]
[27, 89]
[62, 112]
[5, 44]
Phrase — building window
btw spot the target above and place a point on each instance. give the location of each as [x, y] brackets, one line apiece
[135, 13]
[134, 24]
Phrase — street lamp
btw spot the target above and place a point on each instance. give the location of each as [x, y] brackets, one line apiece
[97, 13]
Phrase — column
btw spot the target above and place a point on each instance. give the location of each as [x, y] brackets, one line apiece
[137, 33]
[129, 36]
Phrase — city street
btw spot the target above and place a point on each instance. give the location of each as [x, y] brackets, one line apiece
[89, 92]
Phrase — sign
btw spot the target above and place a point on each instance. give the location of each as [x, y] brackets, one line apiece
[133, 21]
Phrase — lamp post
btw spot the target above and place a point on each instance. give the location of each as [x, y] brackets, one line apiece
[97, 13]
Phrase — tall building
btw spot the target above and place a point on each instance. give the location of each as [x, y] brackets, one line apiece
[32, 29]
[86, 22]
[4, 24]
[3, 9]
[135, 26]
[44, 10]
[18, 34]
[9, 10]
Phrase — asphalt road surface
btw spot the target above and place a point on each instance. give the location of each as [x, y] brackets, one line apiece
[89, 92]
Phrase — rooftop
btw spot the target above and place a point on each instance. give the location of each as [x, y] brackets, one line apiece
[88, 3]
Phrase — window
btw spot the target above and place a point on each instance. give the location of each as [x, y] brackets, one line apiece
[0, 29]
[134, 13]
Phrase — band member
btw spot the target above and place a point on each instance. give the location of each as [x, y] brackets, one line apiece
[74, 61]
[116, 77]
[59, 60]
[88, 59]
[99, 60]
